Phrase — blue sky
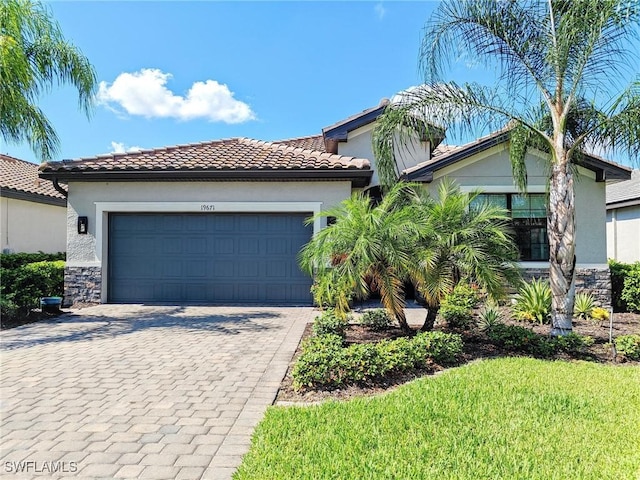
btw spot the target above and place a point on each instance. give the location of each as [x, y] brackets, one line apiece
[290, 68]
[179, 72]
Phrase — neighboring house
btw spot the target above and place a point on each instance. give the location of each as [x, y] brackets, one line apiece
[623, 219]
[223, 221]
[33, 214]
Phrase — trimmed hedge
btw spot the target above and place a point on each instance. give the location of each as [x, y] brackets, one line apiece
[519, 339]
[625, 286]
[326, 363]
[24, 282]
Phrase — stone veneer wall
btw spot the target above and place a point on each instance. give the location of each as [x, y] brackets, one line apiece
[597, 282]
[82, 285]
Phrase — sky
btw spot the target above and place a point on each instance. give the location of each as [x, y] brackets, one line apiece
[181, 72]
[176, 72]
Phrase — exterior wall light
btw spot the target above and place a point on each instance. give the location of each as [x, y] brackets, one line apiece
[83, 225]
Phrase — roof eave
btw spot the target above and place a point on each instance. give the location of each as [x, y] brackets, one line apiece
[358, 177]
[33, 197]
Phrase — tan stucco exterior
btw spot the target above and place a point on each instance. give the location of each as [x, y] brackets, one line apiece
[623, 234]
[490, 171]
[32, 227]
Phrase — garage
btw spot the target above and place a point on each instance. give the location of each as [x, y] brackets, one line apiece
[212, 258]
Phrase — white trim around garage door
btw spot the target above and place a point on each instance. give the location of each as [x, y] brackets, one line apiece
[104, 208]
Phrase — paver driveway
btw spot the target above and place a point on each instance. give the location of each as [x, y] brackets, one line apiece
[129, 391]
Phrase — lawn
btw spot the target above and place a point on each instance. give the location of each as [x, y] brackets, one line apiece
[506, 418]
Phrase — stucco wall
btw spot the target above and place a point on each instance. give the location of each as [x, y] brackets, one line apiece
[623, 234]
[32, 227]
[359, 145]
[86, 250]
[491, 172]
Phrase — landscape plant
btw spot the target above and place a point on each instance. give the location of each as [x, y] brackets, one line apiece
[631, 290]
[584, 305]
[489, 317]
[567, 83]
[628, 346]
[329, 322]
[533, 302]
[376, 320]
[367, 247]
[461, 240]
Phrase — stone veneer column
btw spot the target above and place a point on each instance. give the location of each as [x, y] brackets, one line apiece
[597, 282]
[82, 285]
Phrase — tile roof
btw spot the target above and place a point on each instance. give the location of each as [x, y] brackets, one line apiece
[311, 142]
[626, 191]
[236, 154]
[22, 177]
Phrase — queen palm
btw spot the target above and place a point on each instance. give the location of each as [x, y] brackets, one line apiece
[367, 247]
[562, 68]
[461, 238]
[34, 57]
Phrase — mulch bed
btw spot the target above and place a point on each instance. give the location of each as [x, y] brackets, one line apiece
[32, 317]
[476, 346]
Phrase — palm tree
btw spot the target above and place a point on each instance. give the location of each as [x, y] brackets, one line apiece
[559, 64]
[367, 247]
[34, 56]
[462, 238]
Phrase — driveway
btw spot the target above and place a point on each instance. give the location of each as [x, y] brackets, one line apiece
[130, 391]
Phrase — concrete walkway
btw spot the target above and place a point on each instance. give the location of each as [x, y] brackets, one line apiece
[129, 391]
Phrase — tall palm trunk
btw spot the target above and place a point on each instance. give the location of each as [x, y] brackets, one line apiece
[561, 230]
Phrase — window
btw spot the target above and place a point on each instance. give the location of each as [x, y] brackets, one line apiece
[529, 217]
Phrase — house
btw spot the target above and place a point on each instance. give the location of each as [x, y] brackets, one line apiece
[33, 214]
[623, 219]
[223, 221]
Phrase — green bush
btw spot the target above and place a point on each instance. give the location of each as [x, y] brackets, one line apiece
[619, 273]
[11, 261]
[521, 340]
[325, 363]
[330, 323]
[23, 287]
[533, 302]
[631, 290]
[456, 308]
[376, 320]
[573, 343]
[583, 305]
[628, 346]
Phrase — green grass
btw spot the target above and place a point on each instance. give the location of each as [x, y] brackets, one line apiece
[509, 418]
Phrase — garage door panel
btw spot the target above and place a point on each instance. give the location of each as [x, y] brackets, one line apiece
[207, 258]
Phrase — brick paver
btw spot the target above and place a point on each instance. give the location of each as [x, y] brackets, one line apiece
[129, 391]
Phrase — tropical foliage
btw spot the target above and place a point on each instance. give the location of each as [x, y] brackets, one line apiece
[409, 236]
[562, 70]
[35, 57]
[368, 247]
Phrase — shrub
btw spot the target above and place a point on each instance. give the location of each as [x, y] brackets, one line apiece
[330, 323]
[325, 363]
[376, 320]
[573, 343]
[599, 314]
[628, 346]
[584, 304]
[490, 316]
[520, 339]
[533, 302]
[631, 290]
[618, 274]
[456, 306]
[12, 261]
[22, 289]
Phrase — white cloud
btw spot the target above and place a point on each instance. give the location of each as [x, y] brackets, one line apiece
[119, 147]
[380, 10]
[144, 93]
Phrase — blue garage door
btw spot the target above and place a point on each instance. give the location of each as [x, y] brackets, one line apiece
[207, 258]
